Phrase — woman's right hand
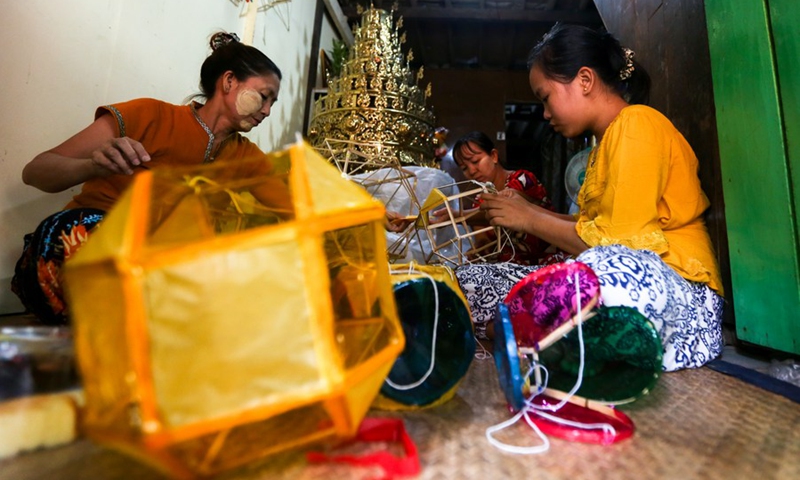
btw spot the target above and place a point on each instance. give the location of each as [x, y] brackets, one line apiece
[507, 209]
[119, 156]
[95, 151]
[510, 209]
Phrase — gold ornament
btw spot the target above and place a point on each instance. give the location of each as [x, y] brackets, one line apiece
[375, 99]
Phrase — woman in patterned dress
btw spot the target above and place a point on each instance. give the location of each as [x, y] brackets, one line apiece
[640, 223]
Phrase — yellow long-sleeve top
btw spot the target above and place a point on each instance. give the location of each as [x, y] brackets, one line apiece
[641, 190]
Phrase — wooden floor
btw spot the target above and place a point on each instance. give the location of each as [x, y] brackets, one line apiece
[695, 424]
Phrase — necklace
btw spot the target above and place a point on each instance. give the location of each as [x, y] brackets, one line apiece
[208, 157]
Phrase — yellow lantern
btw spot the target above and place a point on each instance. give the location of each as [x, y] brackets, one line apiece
[218, 312]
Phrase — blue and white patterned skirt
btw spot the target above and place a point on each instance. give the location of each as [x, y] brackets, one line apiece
[687, 315]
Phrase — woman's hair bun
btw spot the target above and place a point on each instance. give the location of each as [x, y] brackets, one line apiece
[220, 39]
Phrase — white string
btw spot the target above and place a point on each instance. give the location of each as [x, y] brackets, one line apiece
[482, 353]
[514, 448]
[579, 380]
[606, 427]
[530, 407]
[427, 374]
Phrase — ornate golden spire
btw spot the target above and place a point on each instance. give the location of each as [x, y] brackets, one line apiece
[375, 102]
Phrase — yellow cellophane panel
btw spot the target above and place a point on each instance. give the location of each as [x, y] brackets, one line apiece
[362, 393]
[363, 301]
[94, 282]
[367, 328]
[328, 193]
[208, 333]
[101, 348]
[189, 221]
[359, 339]
[113, 237]
[435, 200]
[354, 292]
[206, 317]
[302, 426]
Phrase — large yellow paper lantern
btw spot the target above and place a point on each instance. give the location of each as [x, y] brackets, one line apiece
[213, 328]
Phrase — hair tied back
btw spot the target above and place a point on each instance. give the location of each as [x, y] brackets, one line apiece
[626, 72]
[221, 39]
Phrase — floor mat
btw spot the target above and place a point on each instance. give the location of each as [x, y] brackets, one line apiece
[695, 424]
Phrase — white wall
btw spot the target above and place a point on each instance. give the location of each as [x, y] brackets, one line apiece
[61, 60]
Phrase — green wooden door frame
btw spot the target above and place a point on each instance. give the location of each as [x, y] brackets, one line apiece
[785, 17]
[754, 69]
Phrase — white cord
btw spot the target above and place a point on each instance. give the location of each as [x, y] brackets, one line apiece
[481, 353]
[530, 407]
[581, 366]
[427, 374]
[514, 448]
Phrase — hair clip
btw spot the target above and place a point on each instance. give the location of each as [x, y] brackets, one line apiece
[626, 72]
[221, 39]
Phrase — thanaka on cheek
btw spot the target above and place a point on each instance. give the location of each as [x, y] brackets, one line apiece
[248, 102]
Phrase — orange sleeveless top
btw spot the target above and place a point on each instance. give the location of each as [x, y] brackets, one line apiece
[171, 134]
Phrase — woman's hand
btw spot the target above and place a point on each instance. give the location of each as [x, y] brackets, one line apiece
[119, 156]
[508, 209]
[93, 152]
[439, 215]
[394, 222]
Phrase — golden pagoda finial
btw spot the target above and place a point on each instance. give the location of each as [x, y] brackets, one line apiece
[400, 22]
[428, 91]
[376, 100]
[420, 73]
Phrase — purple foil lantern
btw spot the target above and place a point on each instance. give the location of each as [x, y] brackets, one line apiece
[544, 304]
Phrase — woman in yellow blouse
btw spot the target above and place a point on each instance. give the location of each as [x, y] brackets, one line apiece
[640, 224]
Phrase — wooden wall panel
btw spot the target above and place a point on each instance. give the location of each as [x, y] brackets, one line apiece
[466, 100]
[670, 39]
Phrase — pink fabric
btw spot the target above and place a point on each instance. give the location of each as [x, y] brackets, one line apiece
[546, 299]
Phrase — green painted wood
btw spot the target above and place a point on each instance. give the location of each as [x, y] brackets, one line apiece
[759, 202]
[785, 17]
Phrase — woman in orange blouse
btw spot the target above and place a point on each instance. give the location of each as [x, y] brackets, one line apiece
[239, 84]
[640, 224]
